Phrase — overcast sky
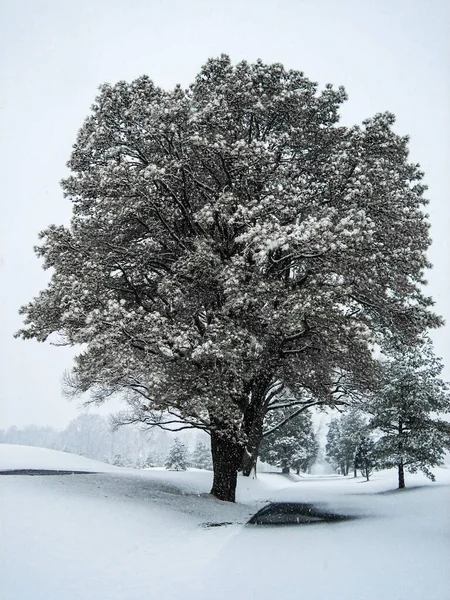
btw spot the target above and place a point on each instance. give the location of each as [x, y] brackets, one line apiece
[389, 54]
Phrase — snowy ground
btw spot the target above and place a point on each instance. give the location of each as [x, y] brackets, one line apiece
[122, 534]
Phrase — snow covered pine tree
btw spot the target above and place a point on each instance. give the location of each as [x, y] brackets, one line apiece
[366, 458]
[177, 458]
[344, 437]
[201, 457]
[228, 240]
[407, 411]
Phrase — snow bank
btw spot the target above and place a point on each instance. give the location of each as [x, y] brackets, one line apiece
[14, 457]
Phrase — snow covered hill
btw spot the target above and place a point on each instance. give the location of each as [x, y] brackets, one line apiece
[15, 457]
[117, 533]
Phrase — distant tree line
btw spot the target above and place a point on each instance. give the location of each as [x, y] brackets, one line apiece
[91, 435]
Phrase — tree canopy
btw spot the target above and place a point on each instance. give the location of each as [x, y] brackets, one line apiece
[227, 241]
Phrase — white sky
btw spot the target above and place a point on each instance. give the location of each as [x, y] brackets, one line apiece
[389, 54]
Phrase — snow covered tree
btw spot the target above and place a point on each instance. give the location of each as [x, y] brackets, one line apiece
[366, 456]
[153, 459]
[201, 457]
[177, 458]
[344, 437]
[88, 435]
[292, 444]
[228, 241]
[333, 449]
[307, 456]
[406, 411]
[32, 435]
[118, 460]
[353, 434]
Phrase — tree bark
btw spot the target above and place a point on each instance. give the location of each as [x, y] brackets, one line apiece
[401, 476]
[227, 457]
[249, 462]
[253, 421]
[254, 437]
[285, 470]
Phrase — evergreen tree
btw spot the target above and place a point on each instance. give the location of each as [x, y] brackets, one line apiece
[118, 461]
[366, 456]
[177, 458]
[405, 412]
[333, 447]
[229, 240]
[291, 445]
[304, 460]
[353, 431]
[148, 462]
[201, 457]
[343, 440]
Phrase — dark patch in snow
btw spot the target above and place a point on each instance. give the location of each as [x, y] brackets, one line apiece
[296, 513]
[44, 472]
[224, 524]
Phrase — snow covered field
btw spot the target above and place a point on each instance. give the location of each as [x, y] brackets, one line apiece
[118, 533]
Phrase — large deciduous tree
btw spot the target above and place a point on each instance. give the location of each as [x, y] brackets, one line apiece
[229, 240]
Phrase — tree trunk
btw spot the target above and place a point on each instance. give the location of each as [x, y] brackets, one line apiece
[249, 463]
[227, 457]
[253, 422]
[401, 470]
[401, 476]
[254, 437]
[285, 470]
